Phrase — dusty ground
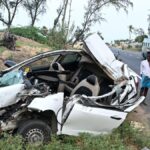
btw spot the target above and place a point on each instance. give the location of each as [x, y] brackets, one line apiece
[141, 115]
[25, 48]
[140, 118]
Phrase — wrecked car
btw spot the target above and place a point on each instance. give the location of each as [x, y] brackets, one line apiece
[67, 92]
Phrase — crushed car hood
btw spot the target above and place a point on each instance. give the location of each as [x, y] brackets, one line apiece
[101, 53]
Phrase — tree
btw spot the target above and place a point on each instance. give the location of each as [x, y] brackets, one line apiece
[65, 27]
[56, 21]
[131, 28]
[34, 9]
[93, 12]
[11, 8]
[64, 13]
[140, 38]
[61, 11]
[138, 31]
[68, 24]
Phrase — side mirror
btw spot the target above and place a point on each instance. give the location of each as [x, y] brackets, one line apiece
[9, 63]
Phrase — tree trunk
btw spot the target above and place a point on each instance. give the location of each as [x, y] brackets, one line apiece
[64, 15]
[33, 22]
[57, 19]
[69, 19]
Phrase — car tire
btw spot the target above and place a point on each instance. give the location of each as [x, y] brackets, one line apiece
[35, 131]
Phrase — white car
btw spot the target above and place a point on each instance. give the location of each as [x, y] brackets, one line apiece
[67, 92]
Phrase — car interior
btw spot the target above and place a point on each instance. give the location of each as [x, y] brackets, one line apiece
[72, 74]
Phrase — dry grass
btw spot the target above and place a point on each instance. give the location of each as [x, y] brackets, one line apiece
[25, 48]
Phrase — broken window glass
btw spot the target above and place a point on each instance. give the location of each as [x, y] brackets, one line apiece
[11, 78]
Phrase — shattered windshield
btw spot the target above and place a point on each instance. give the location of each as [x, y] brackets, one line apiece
[11, 78]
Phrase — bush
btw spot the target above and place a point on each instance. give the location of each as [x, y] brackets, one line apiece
[56, 39]
[8, 142]
[31, 33]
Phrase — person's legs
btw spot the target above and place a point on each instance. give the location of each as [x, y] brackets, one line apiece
[143, 92]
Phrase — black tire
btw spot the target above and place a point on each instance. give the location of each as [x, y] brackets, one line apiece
[35, 131]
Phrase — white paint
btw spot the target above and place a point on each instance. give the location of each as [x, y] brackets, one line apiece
[104, 56]
[51, 102]
[8, 94]
[138, 102]
[93, 120]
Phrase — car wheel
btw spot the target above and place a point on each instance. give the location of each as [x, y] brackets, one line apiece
[35, 131]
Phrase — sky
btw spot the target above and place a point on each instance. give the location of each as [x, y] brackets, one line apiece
[114, 28]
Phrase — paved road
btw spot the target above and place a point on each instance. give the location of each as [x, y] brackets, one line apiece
[133, 60]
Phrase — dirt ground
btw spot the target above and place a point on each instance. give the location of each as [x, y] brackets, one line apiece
[140, 118]
[25, 48]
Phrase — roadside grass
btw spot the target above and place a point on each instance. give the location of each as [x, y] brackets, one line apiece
[2, 48]
[124, 138]
[30, 44]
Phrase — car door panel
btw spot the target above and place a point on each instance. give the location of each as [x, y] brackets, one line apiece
[92, 120]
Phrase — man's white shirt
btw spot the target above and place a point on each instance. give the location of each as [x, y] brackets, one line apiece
[145, 68]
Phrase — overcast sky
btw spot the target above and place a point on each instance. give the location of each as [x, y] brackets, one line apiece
[116, 26]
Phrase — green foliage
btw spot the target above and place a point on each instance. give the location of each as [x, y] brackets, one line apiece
[56, 39]
[118, 42]
[124, 138]
[2, 49]
[129, 47]
[30, 32]
[140, 38]
[134, 136]
[7, 142]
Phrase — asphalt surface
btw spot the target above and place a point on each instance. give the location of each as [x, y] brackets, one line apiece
[133, 59]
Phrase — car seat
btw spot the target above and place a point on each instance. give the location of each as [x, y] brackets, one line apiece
[89, 86]
[62, 77]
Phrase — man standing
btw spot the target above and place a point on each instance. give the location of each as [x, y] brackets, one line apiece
[145, 73]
